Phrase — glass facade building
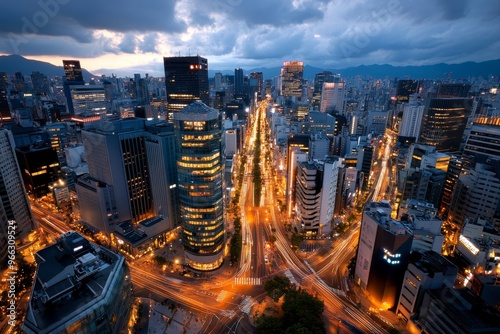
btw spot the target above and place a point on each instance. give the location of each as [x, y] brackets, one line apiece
[186, 81]
[199, 167]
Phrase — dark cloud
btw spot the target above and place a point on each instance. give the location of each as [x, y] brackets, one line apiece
[259, 32]
[49, 16]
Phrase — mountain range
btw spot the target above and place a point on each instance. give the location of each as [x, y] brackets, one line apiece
[16, 63]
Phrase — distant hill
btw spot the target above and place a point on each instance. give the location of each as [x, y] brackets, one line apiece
[15, 63]
[463, 70]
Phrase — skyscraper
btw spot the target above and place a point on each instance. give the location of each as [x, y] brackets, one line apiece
[186, 80]
[72, 76]
[319, 79]
[404, 89]
[332, 97]
[199, 165]
[383, 254]
[239, 89]
[444, 123]
[291, 79]
[413, 113]
[13, 200]
[73, 72]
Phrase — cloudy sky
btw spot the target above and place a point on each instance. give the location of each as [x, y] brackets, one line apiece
[132, 36]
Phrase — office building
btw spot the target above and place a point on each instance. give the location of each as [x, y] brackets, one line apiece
[199, 166]
[413, 113]
[79, 287]
[404, 89]
[444, 123]
[186, 81]
[88, 100]
[256, 83]
[426, 270]
[14, 203]
[72, 76]
[448, 310]
[332, 97]
[420, 218]
[123, 196]
[291, 80]
[239, 88]
[453, 90]
[40, 83]
[383, 254]
[319, 146]
[477, 193]
[483, 143]
[319, 80]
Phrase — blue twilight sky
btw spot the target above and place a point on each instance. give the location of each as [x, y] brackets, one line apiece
[132, 36]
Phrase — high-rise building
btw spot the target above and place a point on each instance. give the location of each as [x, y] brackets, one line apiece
[404, 89]
[291, 79]
[444, 123]
[257, 83]
[88, 285]
[72, 76]
[19, 83]
[483, 143]
[420, 217]
[88, 99]
[308, 197]
[413, 113]
[186, 80]
[13, 200]
[40, 83]
[426, 270]
[319, 80]
[73, 72]
[453, 90]
[383, 254]
[477, 194]
[199, 166]
[239, 88]
[332, 97]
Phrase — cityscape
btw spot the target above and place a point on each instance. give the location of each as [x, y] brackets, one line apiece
[296, 193]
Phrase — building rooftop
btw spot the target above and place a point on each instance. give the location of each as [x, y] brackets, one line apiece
[196, 111]
[431, 262]
[71, 277]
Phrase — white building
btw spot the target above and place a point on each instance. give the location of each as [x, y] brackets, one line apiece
[332, 97]
[413, 114]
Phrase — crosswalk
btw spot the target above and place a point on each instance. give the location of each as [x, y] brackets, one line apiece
[247, 281]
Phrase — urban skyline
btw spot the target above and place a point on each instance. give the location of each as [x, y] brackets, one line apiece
[326, 34]
[184, 200]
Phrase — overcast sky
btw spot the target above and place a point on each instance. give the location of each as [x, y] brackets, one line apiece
[132, 36]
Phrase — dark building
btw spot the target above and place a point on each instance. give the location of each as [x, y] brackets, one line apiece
[19, 84]
[186, 81]
[73, 72]
[366, 164]
[444, 123]
[40, 83]
[453, 90]
[383, 254]
[239, 88]
[40, 168]
[72, 76]
[404, 89]
[257, 83]
[79, 287]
